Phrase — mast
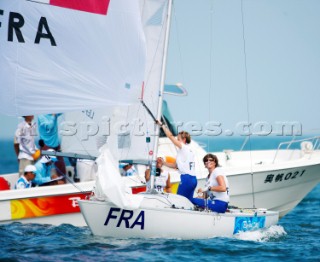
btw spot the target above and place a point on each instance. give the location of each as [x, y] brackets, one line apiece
[163, 74]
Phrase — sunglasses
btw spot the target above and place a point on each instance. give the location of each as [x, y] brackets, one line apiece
[208, 160]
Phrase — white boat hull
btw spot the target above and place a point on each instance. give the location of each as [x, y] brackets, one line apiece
[261, 189]
[54, 205]
[273, 179]
[156, 218]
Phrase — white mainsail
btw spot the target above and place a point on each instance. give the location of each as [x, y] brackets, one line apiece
[57, 58]
[125, 127]
[84, 60]
[120, 125]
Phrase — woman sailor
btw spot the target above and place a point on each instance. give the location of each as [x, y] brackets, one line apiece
[162, 178]
[216, 187]
[184, 162]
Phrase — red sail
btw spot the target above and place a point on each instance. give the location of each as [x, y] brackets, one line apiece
[91, 6]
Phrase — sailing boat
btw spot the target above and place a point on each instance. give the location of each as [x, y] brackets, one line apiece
[113, 212]
[18, 36]
[120, 65]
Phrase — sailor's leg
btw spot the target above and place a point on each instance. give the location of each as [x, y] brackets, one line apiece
[200, 202]
[218, 206]
[187, 186]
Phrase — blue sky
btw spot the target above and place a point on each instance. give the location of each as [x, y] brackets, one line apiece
[282, 56]
[275, 78]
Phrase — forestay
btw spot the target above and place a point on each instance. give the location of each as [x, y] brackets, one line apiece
[59, 56]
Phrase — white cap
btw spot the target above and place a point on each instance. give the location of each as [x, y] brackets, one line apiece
[46, 159]
[30, 168]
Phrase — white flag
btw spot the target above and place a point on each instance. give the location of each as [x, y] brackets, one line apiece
[66, 55]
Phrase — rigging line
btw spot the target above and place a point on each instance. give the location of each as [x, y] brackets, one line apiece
[79, 141]
[123, 153]
[137, 180]
[147, 131]
[211, 65]
[149, 111]
[154, 57]
[151, 69]
[148, 134]
[247, 96]
[163, 196]
[134, 126]
[70, 181]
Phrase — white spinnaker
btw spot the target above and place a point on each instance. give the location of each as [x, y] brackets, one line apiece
[126, 127]
[80, 60]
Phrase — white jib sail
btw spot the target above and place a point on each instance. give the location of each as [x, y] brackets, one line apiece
[126, 127]
[109, 184]
[60, 57]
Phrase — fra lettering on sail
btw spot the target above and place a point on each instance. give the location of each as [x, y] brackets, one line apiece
[16, 22]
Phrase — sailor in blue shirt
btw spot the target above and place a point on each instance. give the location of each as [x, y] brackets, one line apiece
[48, 129]
[49, 134]
[43, 173]
[25, 181]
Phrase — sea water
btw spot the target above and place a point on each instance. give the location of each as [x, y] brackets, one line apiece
[295, 238]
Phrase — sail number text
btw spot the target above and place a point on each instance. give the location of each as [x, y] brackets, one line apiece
[126, 218]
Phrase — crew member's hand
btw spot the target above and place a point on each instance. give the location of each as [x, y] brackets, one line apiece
[200, 193]
[54, 176]
[161, 160]
[159, 123]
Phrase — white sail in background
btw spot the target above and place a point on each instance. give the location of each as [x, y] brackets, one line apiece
[126, 127]
[59, 56]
